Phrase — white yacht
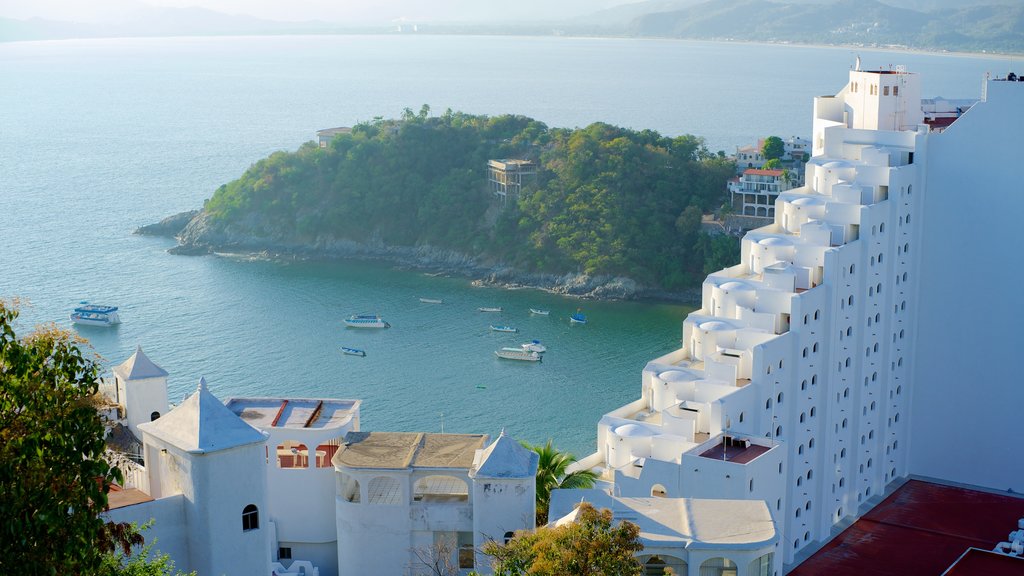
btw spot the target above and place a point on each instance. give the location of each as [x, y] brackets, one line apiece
[366, 321]
[94, 315]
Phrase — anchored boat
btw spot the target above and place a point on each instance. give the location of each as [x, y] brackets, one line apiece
[431, 301]
[353, 351]
[578, 318]
[518, 354]
[534, 346]
[366, 321]
[503, 328]
[539, 312]
[486, 309]
[94, 315]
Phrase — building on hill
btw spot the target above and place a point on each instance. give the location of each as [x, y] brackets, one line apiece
[290, 486]
[796, 150]
[506, 178]
[756, 191]
[326, 136]
[810, 353]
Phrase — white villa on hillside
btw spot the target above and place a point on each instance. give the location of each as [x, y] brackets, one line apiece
[284, 486]
[797, 377]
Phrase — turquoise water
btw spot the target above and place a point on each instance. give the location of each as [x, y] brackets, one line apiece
[98, 137]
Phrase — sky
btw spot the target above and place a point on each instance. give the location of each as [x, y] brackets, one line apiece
[343, 11]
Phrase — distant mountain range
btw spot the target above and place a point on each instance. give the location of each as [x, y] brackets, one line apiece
[921, 24]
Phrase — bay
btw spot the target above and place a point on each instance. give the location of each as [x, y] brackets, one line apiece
[99, 137]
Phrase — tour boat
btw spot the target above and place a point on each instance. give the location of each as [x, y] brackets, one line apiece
[353, 351]
[503, 328]
[578, 318]
[94, 315]
[518, 354]
[539, 312]
[486, 309]
[366, 321]
[431, 300]
[534, 346]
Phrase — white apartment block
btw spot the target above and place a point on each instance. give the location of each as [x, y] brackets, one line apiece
[796, 378]
[757, 190]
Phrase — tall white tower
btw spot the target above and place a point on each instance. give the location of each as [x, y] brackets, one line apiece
[504, 477]
[141, 390]
[203, 451]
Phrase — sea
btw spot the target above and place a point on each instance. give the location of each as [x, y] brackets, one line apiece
[98, 137]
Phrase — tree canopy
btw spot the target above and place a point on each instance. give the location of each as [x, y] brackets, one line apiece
[773, 148]
[552, 475]
[607, 200]
[589, 546]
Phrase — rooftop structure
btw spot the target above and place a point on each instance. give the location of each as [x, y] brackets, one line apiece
[325, 136]
[293, 413]
[401, 450]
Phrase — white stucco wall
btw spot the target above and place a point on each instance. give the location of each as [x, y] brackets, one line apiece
[967, 394]
[168, 532]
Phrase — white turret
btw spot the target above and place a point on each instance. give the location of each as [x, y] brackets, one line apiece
[206, 453]
[141, 390]
[504, 477]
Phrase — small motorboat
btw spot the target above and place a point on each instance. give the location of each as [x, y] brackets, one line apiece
[366, 321]
[95, 315]
[539, 312]
[503, 328]
[534, 346]
[353, 351]
[487, 309]
[518, 354]
[578, 318]
[431, 300]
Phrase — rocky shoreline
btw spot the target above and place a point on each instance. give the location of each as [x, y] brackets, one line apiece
[196, 237]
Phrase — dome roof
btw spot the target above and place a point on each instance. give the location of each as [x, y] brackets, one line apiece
[735, 285]
[808, 201]
[836, 165]
[775, 241]
[675, 376]
[714, 325]
[633, 430]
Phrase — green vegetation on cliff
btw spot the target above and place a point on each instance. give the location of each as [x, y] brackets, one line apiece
[607, 200]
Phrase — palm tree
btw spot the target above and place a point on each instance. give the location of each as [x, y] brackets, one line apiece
[551, 474]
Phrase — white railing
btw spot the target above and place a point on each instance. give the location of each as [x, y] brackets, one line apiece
[135, 474]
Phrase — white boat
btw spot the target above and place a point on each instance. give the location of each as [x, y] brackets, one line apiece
[431, 300]
[353, 351]
[518, 354]
[534, 346]
[486, 309]
[539, 312]
[503, 328]
[366, 321]
[578, 318]
[94, 315]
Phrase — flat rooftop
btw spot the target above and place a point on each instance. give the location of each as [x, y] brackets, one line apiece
[402, 450]
[736, 454]
[977, 562]
[267, 413]
[921, 528]
[119, 497]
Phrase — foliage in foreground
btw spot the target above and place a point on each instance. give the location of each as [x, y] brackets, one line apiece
[53, 478]
[608, 200]
[590, 546]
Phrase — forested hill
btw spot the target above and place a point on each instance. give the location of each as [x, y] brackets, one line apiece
[608, 200]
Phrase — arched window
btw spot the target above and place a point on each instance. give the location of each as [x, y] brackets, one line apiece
[250, 518]
[717, 567]
[440, 489]
[761, 566]
[657, 565]
[384, 490]
[154, 416]
[509, 536]
[658, 491]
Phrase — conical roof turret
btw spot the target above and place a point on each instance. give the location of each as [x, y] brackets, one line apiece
[138, 366]
[202, 423]
[505, 458]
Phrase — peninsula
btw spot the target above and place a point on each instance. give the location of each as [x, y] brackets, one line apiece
[604, 211]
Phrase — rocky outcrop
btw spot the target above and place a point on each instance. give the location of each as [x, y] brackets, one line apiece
[170, 226]
[202, 235]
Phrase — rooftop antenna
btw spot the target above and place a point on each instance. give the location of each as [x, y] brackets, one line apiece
[856, 66]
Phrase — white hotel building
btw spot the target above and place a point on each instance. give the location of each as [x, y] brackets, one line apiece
[865, 335]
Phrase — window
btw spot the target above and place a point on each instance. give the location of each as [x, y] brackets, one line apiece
[509, 536]
[250, 518]
[292, 454]
[885, 90]
[284, 553]
[154, 416]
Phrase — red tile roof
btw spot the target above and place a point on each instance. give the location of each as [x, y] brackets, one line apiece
[922, 528]
[762, 172]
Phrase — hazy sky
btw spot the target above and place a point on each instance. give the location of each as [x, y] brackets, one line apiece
[329, 10]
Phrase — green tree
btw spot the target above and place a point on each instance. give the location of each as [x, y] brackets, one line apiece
[773, 164]
[139, 561]
[53, 478]
[773, 148]
[589, 546]
[551, 475]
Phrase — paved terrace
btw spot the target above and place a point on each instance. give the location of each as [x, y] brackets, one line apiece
[266, 413]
